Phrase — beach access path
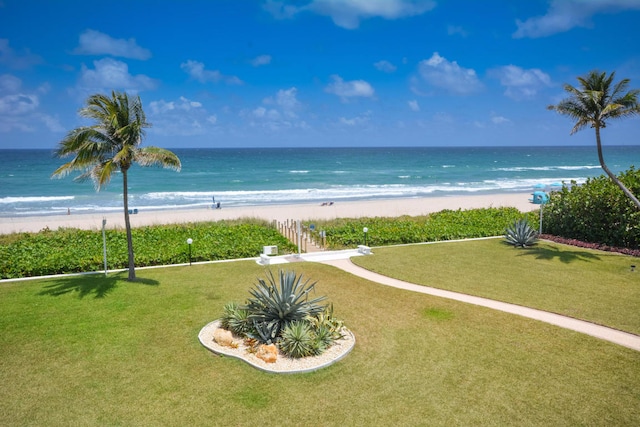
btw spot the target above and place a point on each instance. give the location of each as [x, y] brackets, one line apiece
[342, 260]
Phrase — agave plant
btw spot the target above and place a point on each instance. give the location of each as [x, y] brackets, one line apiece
[280, 303]
[521, 234]
[264, 332]
[298, 340]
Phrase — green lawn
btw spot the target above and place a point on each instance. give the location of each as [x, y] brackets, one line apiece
[590, 285]
[101, 351]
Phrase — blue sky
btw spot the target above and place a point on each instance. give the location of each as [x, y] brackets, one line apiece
[314, 73]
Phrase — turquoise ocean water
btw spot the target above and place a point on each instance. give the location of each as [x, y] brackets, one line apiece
[242, 177]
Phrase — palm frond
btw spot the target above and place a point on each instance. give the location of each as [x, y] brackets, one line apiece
[156, 156]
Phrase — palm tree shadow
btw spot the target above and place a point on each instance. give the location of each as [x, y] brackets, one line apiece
[94, 284]
[563, 255]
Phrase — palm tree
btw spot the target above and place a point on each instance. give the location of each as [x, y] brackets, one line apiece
[594, 104]
[112, 144]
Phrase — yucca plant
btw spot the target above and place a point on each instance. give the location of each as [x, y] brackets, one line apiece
[280, 303]
[236, 319]
[521, 234]
[298, 340]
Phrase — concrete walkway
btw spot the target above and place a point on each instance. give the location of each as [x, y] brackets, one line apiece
[342, 260]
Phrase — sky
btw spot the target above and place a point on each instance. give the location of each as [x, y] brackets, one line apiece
[315, 73]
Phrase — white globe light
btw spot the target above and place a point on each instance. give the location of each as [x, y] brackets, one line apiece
[189, 240]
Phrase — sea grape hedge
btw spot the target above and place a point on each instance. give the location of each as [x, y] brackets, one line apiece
[443, 225]
[596, 212]
[72, 250]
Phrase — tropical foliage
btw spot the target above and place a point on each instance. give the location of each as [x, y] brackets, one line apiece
[597, 101]
[596, 212]
[281, 311]
[111, 145]
[74, 251]
[521, 234]
[444, 225]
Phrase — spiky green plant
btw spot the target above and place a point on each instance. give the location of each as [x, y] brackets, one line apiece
[236, 319]
[264, 332]
[521, 234]
[324, 338]
[326, 320]
[282, 302]
[298, 340]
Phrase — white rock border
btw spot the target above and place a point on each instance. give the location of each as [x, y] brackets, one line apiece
[284, 365]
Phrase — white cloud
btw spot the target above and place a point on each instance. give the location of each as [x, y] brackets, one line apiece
[264, 113]
[183, 104]
[360, 120]
[439, 72]
[348, 13]
[15, 60]
[18, 104]
[414, 105]
[110, 74]
[521, 83]
[261, 60]
[563, 15]
[349, 89]
[281, 112]
[197, 71]
[94, 42]
[456, 29]
[499, 119]
[286, 100]
[181, 117]
[20, 110]
[51, 123]
[385, 66]
[9, 83]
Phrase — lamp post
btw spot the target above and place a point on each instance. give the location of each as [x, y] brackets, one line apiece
[104, 245]
[365, 230]
[189, 242]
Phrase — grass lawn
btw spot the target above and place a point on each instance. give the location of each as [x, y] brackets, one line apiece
[101, 351]
[590, 285]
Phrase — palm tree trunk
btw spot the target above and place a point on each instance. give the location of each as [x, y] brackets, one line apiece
[614, 178]
[127, 225]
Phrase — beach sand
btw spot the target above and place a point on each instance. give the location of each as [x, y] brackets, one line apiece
[371, 208]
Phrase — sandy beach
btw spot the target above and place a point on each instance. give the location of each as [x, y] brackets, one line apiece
[372, 208]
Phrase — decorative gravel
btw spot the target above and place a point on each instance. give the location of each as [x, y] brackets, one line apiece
[283, 365]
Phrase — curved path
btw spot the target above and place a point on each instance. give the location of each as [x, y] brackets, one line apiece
[612, 335]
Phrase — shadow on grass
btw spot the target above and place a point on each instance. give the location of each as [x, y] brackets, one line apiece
[563, 255]
[97, 285]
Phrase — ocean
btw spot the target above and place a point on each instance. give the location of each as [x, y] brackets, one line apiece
[255, 176]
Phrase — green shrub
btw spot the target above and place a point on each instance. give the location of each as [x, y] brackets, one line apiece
[444, 225]
[596, 211]
[72, 250]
